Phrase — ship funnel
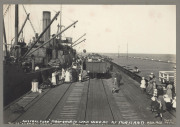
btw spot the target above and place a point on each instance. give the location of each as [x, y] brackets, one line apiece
[46, 21]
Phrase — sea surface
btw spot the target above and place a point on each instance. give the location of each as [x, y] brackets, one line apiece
[146, 63]
[159, 57]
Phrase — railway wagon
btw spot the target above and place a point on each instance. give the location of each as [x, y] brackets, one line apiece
[97, 69]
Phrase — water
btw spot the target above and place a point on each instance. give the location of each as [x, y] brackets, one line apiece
[161, 57]
[146, 63]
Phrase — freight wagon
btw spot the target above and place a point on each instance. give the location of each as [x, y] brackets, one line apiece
[98, 69]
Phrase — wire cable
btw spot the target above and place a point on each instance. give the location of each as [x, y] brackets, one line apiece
[29, 20]
[6, 10]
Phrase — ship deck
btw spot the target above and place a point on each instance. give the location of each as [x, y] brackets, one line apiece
[88, 102]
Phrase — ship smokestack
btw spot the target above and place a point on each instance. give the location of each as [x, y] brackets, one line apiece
[46, 21]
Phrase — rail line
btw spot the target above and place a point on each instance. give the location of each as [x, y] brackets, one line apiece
[58, 101]
[38, 99]
[31, 104]
[90, 100]
[108, 100]
[87, 100]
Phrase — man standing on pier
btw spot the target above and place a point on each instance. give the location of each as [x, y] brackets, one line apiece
[116, 82]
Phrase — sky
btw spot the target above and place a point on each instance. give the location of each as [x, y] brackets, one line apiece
[147, 29]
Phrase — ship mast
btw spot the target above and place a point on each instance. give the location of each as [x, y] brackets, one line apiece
[118, 51]
[41, 34]
[56, 35]
[127, 50]
[5, 40]
[60, 21]
[16, 24]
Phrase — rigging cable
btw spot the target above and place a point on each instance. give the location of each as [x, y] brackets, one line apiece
[7, 10]
[29, 20]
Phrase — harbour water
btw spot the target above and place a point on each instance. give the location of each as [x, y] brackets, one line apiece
[146, 63]
[161, 57]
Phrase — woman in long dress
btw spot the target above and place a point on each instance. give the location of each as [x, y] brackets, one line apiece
[169, 91]
[174, 103]
[143, 85]
[54, 78]
[63, 74]
[67, 76]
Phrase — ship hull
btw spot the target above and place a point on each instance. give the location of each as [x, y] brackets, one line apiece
[16, 82]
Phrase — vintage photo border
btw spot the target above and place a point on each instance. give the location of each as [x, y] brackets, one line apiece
[92, 2]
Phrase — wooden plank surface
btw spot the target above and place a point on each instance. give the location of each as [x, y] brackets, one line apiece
[41, 109]
[91, 100]
[9, 116]
[98, 108]
[83, 104]
[114, 107]
[68, 108]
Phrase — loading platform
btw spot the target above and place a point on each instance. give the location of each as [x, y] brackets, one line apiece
[88, 102]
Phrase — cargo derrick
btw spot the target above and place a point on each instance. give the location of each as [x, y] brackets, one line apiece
[18, 66]
[58, 51]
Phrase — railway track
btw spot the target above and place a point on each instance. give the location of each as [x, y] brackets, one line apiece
[67, 108]
[35, 106]
[88, 102]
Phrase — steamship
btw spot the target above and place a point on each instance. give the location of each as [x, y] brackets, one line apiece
[20, 61]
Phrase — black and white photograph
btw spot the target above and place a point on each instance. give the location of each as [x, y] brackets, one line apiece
[96, 64]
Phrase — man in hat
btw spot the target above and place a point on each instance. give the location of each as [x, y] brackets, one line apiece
[151, 77]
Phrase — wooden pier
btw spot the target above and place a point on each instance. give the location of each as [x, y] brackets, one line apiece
[89, 102]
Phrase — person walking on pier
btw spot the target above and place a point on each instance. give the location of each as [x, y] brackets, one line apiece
[143, 85]
[116, 82]
[159, 109]
[154, 104]
[161, 98]
[149, 89]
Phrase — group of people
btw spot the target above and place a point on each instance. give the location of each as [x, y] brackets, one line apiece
[161, 96]
[70, 74]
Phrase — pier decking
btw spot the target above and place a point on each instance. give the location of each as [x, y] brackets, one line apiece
[89, 101]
